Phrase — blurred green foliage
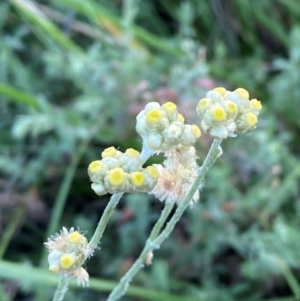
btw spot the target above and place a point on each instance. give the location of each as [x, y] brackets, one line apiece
[73, 75]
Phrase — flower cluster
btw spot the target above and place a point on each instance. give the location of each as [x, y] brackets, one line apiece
[121, 172]
[177, 174]
[67, 252]
[225, 114]
[163, 128]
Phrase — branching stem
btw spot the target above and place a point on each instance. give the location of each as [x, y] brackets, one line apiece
[154, 242]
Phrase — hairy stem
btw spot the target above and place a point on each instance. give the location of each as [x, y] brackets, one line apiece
[213, 154]
[121, 288]
[159, 224]
[61, 288]
[114, 200]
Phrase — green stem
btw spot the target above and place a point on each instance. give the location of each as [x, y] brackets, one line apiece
[61, 288]
[10, 229]
[114, 200]
[214, 152]
[159, 224]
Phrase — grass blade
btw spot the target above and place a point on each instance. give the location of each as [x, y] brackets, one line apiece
[38, 276]
[34, 15]
[19, 97]
[112, 23]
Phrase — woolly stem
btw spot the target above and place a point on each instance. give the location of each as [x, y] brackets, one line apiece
[159, 224]
[121, 288]
[61, 288]
[114, 200]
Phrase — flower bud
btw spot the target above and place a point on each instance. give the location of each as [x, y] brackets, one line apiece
[190, 135]
[99, 188]
[171, 110]
[155, 141]
[171, 135]
[130, 160]
[116, 181]
[97, 170]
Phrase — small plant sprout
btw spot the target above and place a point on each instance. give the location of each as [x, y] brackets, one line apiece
[176, 181]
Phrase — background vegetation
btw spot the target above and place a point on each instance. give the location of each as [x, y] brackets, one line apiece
[73, 75]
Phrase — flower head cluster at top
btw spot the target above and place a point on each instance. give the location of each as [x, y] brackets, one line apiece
[67, 252]
[163, 128]
[121, 172]
[224, 114]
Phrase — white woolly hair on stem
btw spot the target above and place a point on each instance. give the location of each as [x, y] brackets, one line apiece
[155, 242]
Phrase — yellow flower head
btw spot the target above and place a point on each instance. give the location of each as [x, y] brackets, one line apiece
[152, 172]
[256, 104]
[218, 114]
[95, 166]
[203, 103]
[169, 107]
[54, 270]
[220, 90]
[180, 118]
[231, 107]
[251, 119]
[137, 178]
[109, 152]
[130, 152]
[116, 176]
[242, 93]
[196, 131]
[75, 237]
[154, 116]
[67, 261]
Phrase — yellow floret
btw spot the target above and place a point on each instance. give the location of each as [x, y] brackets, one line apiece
[109, 152]
[196, 131]
[231, 107]
[256, 104]
[67, 261]
[154, 116]
[169, 107]
[242, 93]
[116, 176]
[75, 237]
[54, 270]
[152, 172]
[180, 118]
[220, 90]
[130, 152]
[137, 178]
[204, 102]
[95, 166]
[218, 114]
[251, 119]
